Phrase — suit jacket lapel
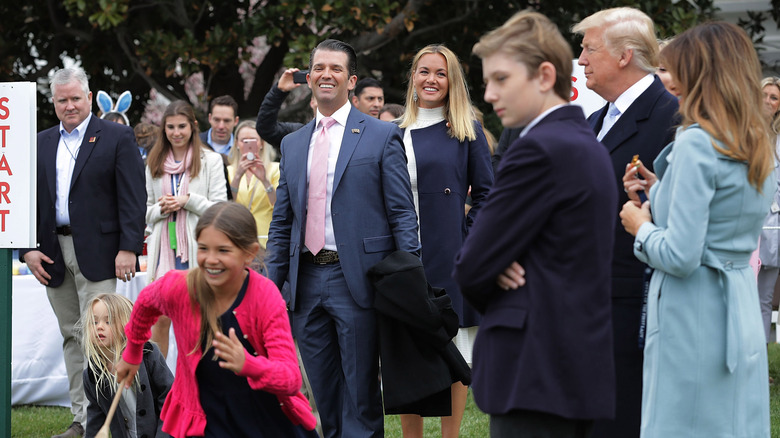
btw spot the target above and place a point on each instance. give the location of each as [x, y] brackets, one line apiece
[298, 161]
[640, 109]
[598, 119]
[49, 151]
[91, 139]
[352, 133]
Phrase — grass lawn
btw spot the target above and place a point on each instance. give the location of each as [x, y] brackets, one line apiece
[44, 421]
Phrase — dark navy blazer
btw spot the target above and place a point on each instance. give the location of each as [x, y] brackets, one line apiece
[644, 129]
[446, 168]
[546, 346]
[107, 202]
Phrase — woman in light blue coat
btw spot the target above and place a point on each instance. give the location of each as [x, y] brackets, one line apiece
[705, 369]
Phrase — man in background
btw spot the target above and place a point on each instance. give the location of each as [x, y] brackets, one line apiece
[91, 206]
[223, 117]
[369, 96]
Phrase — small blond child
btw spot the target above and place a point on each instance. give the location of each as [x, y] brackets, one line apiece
[104, 340]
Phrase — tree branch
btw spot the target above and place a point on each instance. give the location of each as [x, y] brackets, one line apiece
[265, 76]
[369, 41]
[61, 28]
[435, 27]
[121, 33]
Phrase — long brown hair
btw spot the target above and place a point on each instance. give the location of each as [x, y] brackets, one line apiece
[238, 224]
[719, 75]
[162, 146]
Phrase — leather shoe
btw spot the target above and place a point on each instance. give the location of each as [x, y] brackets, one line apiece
[73, 430]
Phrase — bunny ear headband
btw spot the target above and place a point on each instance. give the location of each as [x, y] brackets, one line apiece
[106, 104]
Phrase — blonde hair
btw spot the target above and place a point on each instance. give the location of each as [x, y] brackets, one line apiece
[267, 154]
[100, 359]
[774, 124]
[718, 73]
[238, 225]
[530, 38]
[625, 29]
[457, 103]
[491, 139]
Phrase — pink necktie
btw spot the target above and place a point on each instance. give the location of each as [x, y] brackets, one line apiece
[318, 180]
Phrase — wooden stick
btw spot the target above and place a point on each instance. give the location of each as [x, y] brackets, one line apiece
[103, 432]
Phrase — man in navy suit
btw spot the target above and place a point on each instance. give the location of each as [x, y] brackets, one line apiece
[543, 362]
[368, 213]
[620, 55]
[91, 207]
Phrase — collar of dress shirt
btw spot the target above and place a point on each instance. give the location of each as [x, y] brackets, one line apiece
[341, 115]
[80, 130]
[629, 96]
[539, 118]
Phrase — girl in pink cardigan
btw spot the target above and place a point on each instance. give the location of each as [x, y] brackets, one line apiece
[237, 373]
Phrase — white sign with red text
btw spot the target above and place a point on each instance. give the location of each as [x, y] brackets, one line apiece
[582, 95]
[18, 152]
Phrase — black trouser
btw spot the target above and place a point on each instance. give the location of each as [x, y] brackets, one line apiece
[532, 424]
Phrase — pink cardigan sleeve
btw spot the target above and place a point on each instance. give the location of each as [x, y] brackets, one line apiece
[275, 367]
[153, 301]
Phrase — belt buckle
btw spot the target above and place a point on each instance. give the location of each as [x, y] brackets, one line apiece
[325, 258]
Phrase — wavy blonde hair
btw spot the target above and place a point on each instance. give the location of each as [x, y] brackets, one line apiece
[100, 359]
[457, 104]
[719, 75]
[775, 122]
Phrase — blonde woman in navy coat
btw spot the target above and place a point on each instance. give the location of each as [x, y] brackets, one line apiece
[447, 154]
[705, 370]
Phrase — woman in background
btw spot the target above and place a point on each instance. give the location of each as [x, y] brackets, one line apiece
[146, 135]
[770, 238]
[447, 154]
[254, 176]
[705, 368]
[183, 179]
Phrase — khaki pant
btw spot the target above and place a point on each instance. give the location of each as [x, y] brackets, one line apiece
[69, 301]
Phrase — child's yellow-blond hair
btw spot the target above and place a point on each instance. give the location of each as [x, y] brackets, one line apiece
[100, 359]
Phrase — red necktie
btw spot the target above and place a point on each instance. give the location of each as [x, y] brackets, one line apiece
[318, 180]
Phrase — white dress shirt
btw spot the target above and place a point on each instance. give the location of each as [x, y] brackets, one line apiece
[67, 151]
[336, 133]
[628, 97]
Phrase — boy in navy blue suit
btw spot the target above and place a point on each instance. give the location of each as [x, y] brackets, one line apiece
[543, 362]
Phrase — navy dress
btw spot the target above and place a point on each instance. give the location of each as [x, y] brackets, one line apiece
[232, 407]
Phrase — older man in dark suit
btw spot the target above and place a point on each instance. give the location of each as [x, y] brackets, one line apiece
[620, 55]
[344, 202]
[91, 207]
[542, 360]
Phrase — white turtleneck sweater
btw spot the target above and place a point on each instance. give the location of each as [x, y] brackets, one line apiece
[425, 117]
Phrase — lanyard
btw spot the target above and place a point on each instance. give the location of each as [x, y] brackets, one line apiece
[176, 183]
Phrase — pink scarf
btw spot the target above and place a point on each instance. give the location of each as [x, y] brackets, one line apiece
[167, 257]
